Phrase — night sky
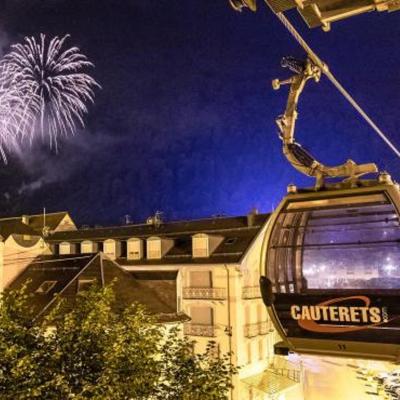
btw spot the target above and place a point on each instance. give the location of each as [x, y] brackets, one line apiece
[184, 122]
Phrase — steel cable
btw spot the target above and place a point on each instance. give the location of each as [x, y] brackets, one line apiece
[324, 68]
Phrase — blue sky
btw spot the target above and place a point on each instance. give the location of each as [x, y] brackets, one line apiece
[184, 122]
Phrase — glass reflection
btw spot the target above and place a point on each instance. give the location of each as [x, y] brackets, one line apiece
[336, 246]
[353, 248]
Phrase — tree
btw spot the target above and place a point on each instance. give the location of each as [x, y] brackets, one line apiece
[95, 350]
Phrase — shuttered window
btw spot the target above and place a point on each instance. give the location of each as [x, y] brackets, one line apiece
[200, 279]
[202, 315]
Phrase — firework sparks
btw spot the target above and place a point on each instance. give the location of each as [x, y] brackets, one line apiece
[52, 86]
[15, 115]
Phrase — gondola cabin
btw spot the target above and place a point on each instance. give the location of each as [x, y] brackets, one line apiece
[331, 266]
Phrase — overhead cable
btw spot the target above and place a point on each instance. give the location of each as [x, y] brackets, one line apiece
[325, 69]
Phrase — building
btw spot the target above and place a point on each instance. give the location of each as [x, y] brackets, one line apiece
[66, 276]
[212, 266]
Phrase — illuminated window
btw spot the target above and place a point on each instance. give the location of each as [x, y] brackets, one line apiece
[87, 247]
[134, 249]
[112, 248]
[45, 287]
[154, 248]
[200, 245]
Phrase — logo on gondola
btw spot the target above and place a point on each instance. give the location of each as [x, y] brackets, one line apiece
[329, 317]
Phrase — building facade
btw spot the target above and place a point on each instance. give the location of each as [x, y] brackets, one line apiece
[213, 265]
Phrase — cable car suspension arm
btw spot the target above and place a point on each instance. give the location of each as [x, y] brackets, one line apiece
[294, 152]
[325, 70]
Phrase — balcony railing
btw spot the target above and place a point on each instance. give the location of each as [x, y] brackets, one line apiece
[292, 374]
[199, 330]
[265, 327]
[259, 328]
[251, 330]
[204, 293]
[251, 292]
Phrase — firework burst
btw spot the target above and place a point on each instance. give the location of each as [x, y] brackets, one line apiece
[52, 86]
[15, 114]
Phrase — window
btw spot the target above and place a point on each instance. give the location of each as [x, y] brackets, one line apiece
[154, 248]
[261, 349]
[65, 248]
[200, 244]
[45, 287]
[247, 316]
[88, 246]
[134, 249]
[85, 283]
[249, 355]
[336, 243]
[231, 241]
[202, 315]
[112, 248]
[200, 279]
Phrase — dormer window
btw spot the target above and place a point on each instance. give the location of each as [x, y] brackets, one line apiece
[200, 245]
[204, 245]
[112, 248]
[231, 241]
[67, 248]
[45, 287]
[88, 247]
[158, 247]
[134, 249]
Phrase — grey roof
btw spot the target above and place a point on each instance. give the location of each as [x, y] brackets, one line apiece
[14, 225]
[237, 235]
[188, 228]
[67, 271]
[52, 220]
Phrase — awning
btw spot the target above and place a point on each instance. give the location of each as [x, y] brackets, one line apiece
[270, 382]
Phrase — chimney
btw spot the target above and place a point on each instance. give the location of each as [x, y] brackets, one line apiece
[25, 219]
[251, 216]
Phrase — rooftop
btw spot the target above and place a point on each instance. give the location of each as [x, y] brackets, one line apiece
[237, 234]
[48, 276]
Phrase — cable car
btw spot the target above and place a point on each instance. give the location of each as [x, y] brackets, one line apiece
[331, 254]
[332, 271]
[330, 265]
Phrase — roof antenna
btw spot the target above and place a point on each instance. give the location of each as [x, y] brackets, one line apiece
[156, 220]
[45, 230]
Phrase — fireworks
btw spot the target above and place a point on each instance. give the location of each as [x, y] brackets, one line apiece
[44, 91]
[15, 115]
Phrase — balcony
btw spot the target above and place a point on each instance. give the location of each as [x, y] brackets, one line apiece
[265, 327]
[199, 330]
[251, 330]
[251, 292]
[292, 374]
[204, 293]
[259, 328]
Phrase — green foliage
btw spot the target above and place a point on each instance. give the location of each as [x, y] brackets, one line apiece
[96, 351]
[191, 376]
